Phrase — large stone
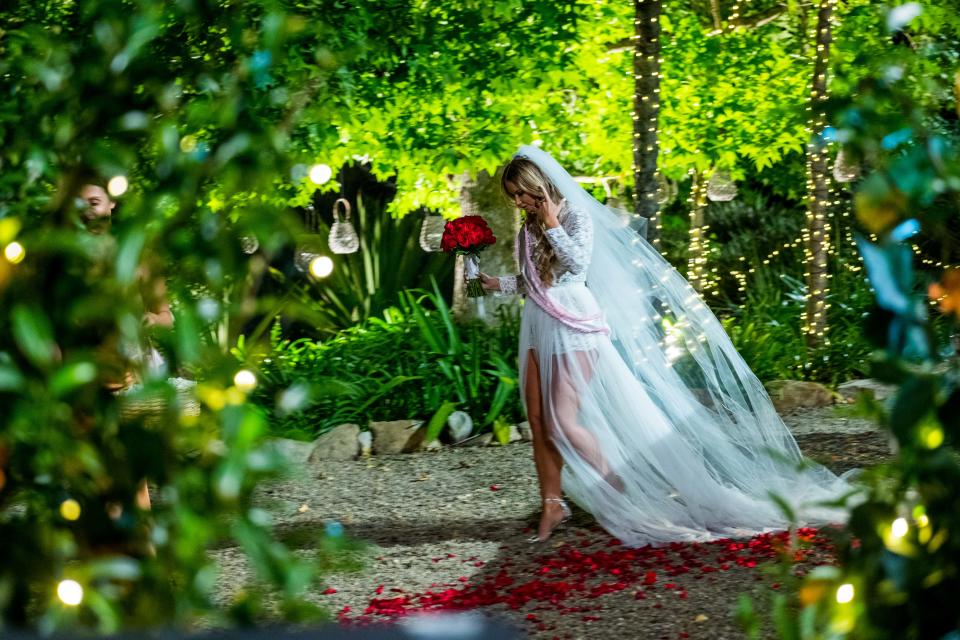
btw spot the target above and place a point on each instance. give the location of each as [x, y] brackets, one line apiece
[296, 451]
[340, 443]
[788, 395]
[397, 436]
[525, 431]
[874, 388]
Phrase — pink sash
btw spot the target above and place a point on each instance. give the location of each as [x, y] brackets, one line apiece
[536, 291]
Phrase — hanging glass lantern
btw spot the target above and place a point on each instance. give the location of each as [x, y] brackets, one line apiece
[249, 244]
[343, 237]
[302, 259]
[666, 190]
[721, 187]
[431, 232]
[843, 169]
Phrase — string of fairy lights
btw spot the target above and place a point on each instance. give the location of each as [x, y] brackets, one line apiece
[699, 241]
[653, 103]
[816, 235]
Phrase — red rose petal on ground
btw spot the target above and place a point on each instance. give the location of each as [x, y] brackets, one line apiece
[329, 591]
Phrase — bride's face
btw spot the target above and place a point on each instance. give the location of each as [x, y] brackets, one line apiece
[521, 198]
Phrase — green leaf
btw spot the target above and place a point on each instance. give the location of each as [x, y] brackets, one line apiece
[501, 430]
[31, 330]
[71, 376]
[128, 256]
[10, 378]
[439, 420]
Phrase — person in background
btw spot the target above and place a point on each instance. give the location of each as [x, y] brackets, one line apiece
[97, 215]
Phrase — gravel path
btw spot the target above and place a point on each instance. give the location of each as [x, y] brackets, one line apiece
[448, 528]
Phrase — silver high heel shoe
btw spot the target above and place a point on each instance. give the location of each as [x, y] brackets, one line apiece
[567, 514]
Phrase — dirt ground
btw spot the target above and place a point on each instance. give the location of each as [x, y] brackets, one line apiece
[448, 530]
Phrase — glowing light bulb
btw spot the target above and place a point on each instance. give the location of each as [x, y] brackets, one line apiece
[321, 266]
[845, 593]
[70, 509]
[320, 173]
[245, 380]
[117, 186]
[70, 592]
[899, 528]
[14, 252]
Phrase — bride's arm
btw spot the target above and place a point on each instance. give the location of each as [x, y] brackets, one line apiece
[510, 285]
[572, 240]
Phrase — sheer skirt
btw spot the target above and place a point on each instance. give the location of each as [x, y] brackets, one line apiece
[626, 462]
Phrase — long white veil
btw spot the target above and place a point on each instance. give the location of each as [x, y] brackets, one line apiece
[734, 445]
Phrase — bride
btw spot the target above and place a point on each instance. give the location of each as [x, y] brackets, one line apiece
[635, 395]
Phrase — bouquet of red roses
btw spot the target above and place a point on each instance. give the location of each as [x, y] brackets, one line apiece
[468, 235]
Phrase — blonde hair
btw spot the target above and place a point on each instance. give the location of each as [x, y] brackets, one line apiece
[524, 173]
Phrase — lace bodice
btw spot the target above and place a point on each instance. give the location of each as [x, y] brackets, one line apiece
[572, 243]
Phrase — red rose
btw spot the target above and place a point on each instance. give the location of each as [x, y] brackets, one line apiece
[467, 234]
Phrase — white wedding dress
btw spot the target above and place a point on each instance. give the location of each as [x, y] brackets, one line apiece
[665, 433]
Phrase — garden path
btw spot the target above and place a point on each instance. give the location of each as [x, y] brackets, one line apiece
[449, 528]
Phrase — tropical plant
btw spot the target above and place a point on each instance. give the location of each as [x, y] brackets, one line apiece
[414, 362]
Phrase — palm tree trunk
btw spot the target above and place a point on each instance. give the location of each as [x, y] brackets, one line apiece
[818, 189]
[646, 107]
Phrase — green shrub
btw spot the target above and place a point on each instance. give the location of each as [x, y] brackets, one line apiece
[411, 363]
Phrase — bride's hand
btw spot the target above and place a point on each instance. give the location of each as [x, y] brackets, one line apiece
[549, 211]
[489, 283]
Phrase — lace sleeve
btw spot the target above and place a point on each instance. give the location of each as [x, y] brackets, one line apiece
[573, 241]
[511, 285]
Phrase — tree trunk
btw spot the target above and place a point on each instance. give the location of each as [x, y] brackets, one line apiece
[715, 12]
[818, 189]
[697, 253]
[483, 197]
[646, 108]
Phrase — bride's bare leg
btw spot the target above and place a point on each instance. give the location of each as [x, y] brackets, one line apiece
[570, 373]
[546, 457]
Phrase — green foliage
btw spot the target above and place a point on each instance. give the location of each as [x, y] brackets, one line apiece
[765, 329]
[365, 283]
[188, 101]
[415, 362]
[900, 559]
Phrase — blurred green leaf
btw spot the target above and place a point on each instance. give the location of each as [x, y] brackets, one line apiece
[34, 335]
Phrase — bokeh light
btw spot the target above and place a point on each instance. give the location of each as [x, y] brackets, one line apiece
[14, 252]
[117, 186]
[70, 509]
[70, 592]
[245, 380]
[320, 173]
[321, 266]
[845, 593]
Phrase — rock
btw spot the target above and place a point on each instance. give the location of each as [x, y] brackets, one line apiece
[526, 433]
[296, 451]
[340, 443]
[397, 436]
[788, 395]
[874, 388]
[460, 424]
[366, 442]
[515, 435]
